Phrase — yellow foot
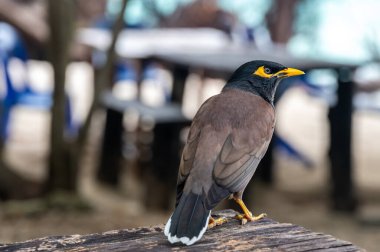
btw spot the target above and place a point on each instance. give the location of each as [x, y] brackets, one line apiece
[244, 218]
[216, 222]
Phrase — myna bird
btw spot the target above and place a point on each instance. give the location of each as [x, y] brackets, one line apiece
[228, 137]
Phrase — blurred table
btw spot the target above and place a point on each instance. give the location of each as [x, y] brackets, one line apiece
[212, 51]
[144, 43]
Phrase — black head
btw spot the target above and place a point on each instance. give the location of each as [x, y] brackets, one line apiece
[260, 77]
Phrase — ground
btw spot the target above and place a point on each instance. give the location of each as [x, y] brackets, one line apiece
[299, 195]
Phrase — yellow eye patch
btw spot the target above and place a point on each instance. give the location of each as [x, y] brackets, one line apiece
[261, 72]
[287, 72]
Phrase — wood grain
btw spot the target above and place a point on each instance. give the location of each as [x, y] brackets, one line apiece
[263, 235]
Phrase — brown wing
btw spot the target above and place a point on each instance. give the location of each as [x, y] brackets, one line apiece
[189, 151]
[243, 148]
[236, 164]
[186, 163]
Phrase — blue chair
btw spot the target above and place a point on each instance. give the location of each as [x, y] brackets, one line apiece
[11, 45]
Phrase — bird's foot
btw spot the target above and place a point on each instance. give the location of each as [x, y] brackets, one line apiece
[247, 215]
[216, 222]
[244, 218]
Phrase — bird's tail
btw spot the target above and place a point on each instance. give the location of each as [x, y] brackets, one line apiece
[189, 220]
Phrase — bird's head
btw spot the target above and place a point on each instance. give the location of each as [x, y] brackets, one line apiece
[260, 77]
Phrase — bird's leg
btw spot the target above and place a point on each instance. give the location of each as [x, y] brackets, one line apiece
[247, 215]
[216, 222]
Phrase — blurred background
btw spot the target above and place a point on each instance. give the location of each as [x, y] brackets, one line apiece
[97, 97]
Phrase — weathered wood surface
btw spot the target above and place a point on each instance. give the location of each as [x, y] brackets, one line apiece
[263, 235]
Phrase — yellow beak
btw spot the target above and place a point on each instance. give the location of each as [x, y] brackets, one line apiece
[287, 72]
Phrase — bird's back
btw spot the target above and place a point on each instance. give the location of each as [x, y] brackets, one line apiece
[244, 118]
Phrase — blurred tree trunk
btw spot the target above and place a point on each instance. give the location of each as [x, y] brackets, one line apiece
[280, 19]
[61, 15]
[65, 153]
[65, 156]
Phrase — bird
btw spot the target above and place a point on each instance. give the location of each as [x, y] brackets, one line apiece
[228, 137]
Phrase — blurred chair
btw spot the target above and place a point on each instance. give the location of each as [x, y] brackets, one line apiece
[312, 89]
[125, 81]
[320, 88]
[11, 45]
[285, 147]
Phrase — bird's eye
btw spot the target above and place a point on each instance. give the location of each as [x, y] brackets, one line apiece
[267, 70]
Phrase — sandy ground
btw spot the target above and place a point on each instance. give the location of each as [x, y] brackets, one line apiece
[299, 195]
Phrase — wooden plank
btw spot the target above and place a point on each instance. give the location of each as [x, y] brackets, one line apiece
[263, 235]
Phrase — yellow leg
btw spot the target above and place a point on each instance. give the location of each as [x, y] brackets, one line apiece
[247, 215]
[216, 222]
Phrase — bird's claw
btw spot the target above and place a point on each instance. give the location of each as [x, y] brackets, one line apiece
[216, 222]
[244, 218]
